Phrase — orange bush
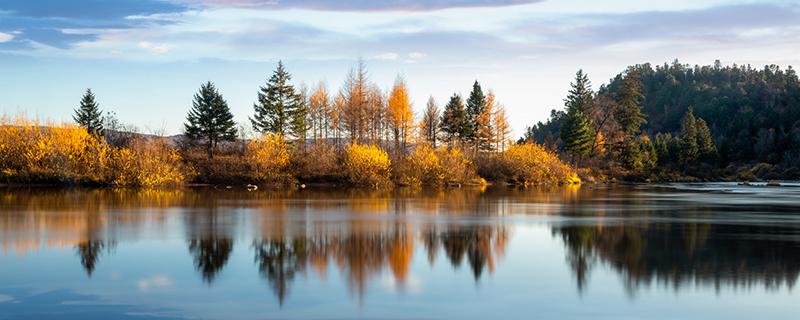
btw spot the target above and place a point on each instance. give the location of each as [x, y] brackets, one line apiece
[456, 167]
[421, 166]
[367, 165]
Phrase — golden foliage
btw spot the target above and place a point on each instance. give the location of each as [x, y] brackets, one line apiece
[421, 166]
[532, 164]
[31, 152]
[456, 167]
[367, 165]
[318, 161]
[269, 158]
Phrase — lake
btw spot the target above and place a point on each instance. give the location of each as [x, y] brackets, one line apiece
[678, 251]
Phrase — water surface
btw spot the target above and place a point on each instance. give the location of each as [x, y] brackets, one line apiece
[699, 251]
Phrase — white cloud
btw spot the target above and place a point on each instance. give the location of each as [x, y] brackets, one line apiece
[157, 48]
[6, 298]
[416, 55]
[158, 281]
[387, 56]
[6, 37]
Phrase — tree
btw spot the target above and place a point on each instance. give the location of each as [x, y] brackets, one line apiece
[319, 108]
[577, 131]
[581, 96]
[475, 105]
[577, 134]
[502, 128]
[484, 134]
[689, 148]
[355, 94]
[455, 121]
[298, 124]
[210, 119]
[629, 98]
[88, 114]
[707, 149]
[401, 116]
[277, 103]
[430, 122]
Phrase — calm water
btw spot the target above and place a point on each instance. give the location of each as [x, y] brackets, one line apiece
[711, 251]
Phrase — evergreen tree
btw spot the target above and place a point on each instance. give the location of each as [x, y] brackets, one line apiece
[581, 96]
[455, 121]
[577, 131]
[475, 105]
[88, 114]
[430, 122]
[298, 117]
[707, 150]
[689, 148]
[629, 98]
[210, 119]
[577, 134]
[277, 104]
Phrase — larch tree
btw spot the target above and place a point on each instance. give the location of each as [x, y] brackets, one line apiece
[210, 120]
[455, 121]
[401, 116]
[484, 126]
[88, 114]
[430, 122]
[277, 103]
[319, 105]
[475, 105]
[577, 131]
[377, 122]
[354, 113]
[502, 128]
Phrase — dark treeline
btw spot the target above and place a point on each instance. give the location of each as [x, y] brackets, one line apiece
[709, 122]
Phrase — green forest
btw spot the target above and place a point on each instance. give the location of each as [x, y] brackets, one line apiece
[675, 122]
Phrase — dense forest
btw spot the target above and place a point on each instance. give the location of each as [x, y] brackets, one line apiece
[677, 122]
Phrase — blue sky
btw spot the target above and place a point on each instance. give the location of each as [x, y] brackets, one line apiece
[145, 58]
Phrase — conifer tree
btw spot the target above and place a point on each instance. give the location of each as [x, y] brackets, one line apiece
[629, 112]
[484, 127]
[577, 131]
[88, 114]
[277, 103]
[298, 117]
[401, 116]
[475, 105]
[430, 122]
[455, 121]
[210, 119]
[707, 149]
[689, 148]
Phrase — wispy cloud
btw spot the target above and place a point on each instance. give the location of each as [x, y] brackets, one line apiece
[354, 5]
[6, 37]
[153, 282]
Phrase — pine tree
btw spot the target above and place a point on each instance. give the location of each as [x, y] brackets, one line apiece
[455, 121]
[88, 114]
[430, 122]
[581, 96]
[577, 134]
[298, 117]
[707, 149]
[629, 112]
[689, 148]
[475, 105]
[210, 119]
[577, 131]
[277, 101]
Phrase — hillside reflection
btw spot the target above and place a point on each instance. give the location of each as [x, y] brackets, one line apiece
[365, 236]
[682, 255]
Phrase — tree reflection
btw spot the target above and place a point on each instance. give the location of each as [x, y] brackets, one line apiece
[684, 254]
[279, 261]
[90, 251]
[210, 256]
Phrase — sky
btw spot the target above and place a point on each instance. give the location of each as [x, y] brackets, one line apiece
[144, 59]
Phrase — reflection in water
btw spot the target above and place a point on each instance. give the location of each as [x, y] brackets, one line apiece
[684, 254]
[647, 236]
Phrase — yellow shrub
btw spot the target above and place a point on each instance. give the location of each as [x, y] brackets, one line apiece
[367, 165]
[422, 166]
[456, 167]
[30, 152]
[269, 158]
[533, 164]
[147, 164]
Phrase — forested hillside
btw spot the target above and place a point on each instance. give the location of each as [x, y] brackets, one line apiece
[753, 114]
